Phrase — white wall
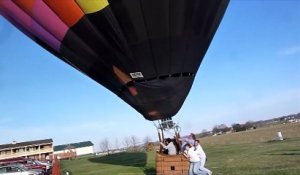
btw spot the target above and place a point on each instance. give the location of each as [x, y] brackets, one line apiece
[84, 150]
[79, 151]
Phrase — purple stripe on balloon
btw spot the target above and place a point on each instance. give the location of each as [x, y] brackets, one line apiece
[12, 11]
[48, 19]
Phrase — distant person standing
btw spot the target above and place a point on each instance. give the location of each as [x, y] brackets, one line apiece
[169, 146]
[202, 156]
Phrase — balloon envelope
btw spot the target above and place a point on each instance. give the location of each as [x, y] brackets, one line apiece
[145, 51]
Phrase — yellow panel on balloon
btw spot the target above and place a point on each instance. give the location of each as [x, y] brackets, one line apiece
[92, 6]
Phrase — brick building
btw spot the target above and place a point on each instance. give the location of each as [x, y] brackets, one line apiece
[38, 149]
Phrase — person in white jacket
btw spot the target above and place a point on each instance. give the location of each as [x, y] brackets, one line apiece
[202, 156]
[170, 147]
[194, 159]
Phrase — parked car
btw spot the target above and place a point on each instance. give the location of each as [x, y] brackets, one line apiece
[30, 167]
[46, 165]
[16, 170]
[34, 166]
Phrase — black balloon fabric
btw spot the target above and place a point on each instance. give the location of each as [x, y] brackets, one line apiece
[145, 51]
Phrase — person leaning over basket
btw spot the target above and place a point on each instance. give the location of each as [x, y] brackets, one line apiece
[187, 139]
[170, 147]
[194, 159]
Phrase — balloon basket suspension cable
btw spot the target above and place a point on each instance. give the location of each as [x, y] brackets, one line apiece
[167, 125]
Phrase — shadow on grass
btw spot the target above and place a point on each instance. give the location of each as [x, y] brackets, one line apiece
[276, 141]
[282, 150]
[285, 154]
[135, 159]
[149, 171]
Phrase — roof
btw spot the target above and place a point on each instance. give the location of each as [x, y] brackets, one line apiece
[73, 145]
[28, 143]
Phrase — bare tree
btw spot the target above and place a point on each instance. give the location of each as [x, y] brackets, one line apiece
[147, 140]
[204, 133]
[126, 142]
[238, 127]
[134, 142]
[220, 129]
[249, 125]
[148, 146]
[117, 144]
[104, 146]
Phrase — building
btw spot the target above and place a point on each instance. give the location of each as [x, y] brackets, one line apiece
[73, 149]
[38, 149]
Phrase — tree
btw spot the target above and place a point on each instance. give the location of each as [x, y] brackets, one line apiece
[215, 129]
[238, 127]
[126, 142]
[249, 125]
[147, 139]
[148, 146]
[134, 142]
[222, 128]
[204, 133]
[104, 146]
[117, 144]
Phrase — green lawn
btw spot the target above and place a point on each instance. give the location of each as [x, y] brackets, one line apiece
[264, 158]
[134, 163]
[246, 153]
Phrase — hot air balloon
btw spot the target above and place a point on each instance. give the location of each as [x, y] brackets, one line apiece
[147, 52]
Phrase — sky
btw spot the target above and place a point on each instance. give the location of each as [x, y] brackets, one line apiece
[250, 72]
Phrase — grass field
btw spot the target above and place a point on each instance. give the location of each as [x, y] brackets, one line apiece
[245, 153]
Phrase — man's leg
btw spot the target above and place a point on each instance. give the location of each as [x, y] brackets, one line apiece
[191, 168]
[196, 168]
[202, 168]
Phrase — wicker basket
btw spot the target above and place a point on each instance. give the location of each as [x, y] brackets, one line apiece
[171, 165]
